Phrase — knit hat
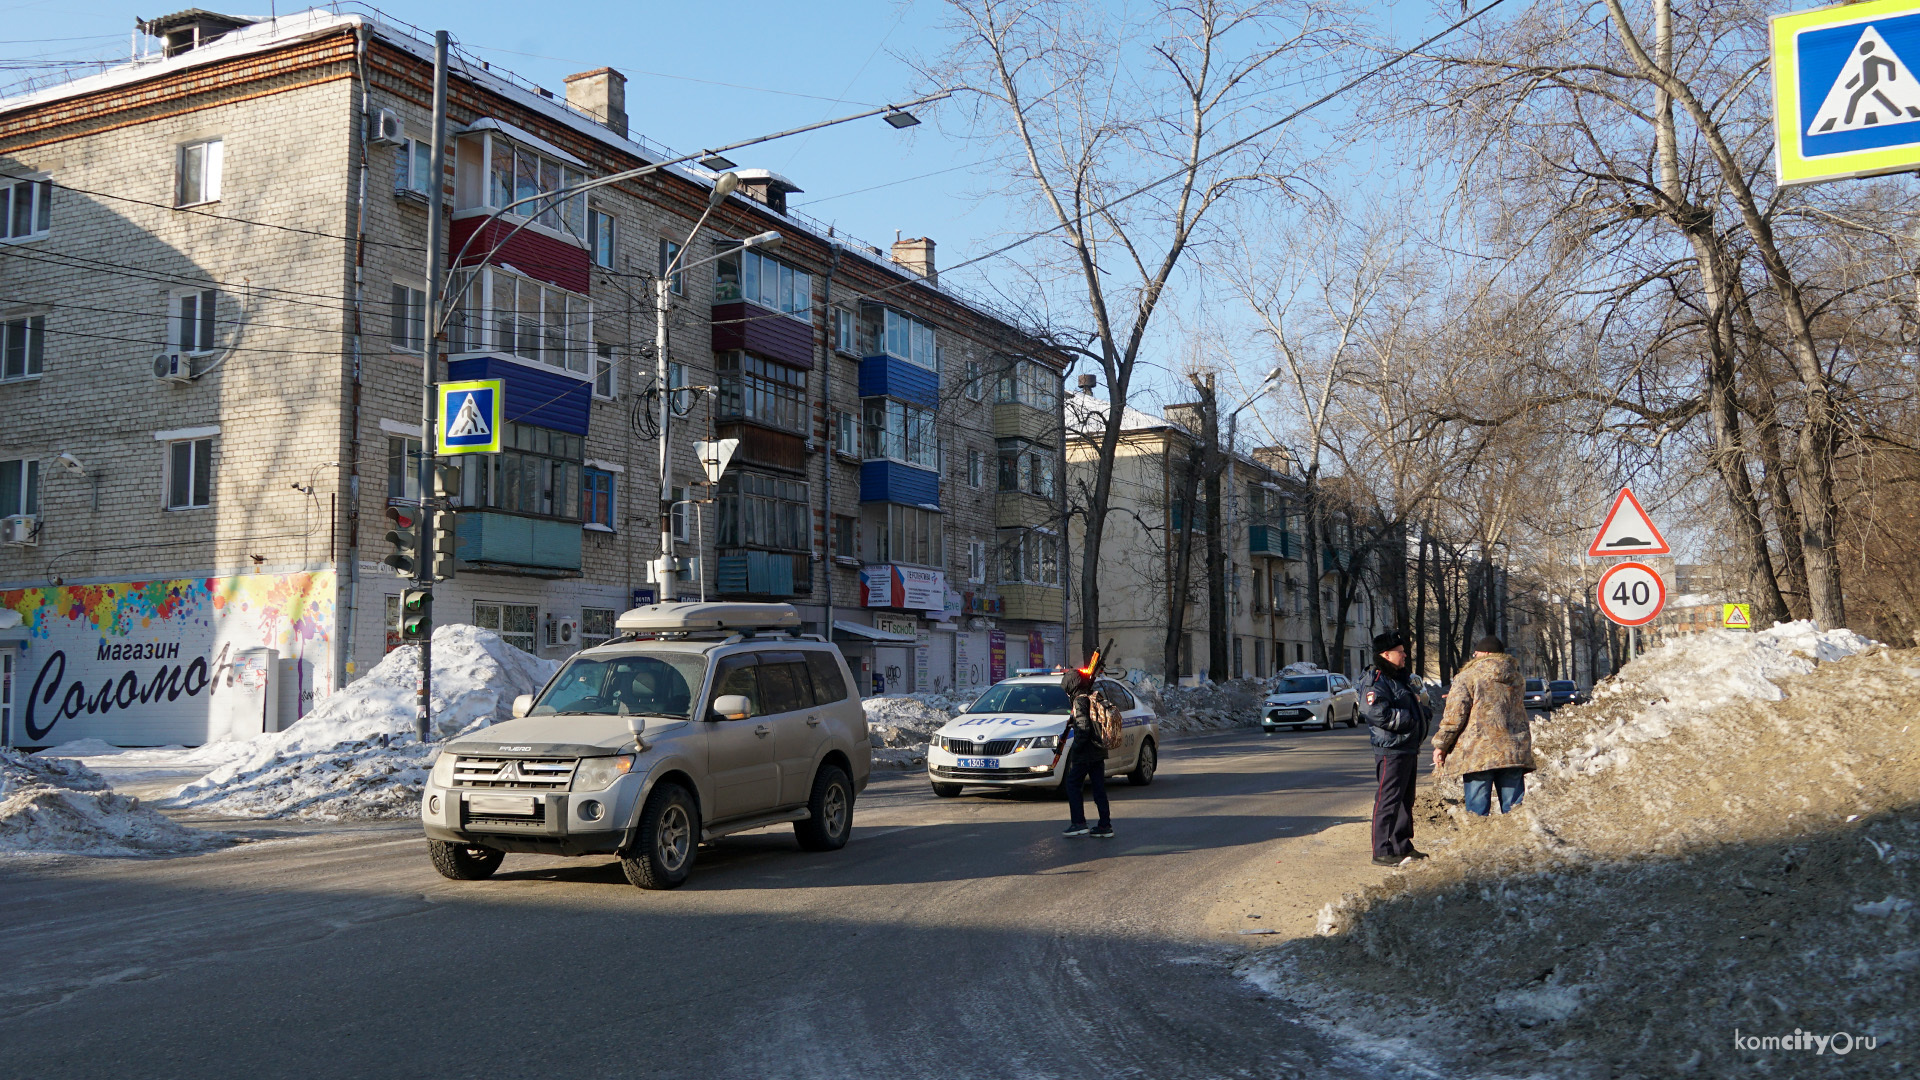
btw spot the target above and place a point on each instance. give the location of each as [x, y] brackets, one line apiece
[1490, 644]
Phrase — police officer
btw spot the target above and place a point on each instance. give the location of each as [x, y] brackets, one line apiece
[1398, 722]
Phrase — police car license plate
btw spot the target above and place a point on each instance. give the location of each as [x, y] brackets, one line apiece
[979, 762]
[516, 805]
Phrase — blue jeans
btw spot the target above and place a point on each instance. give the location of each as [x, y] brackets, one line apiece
[1480, 785]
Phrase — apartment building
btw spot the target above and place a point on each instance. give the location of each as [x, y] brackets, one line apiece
[1267, 577]
[212, 294]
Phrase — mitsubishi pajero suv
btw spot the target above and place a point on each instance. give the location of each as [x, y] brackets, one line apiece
[698, 720]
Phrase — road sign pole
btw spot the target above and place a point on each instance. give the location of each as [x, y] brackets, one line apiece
[429, 371]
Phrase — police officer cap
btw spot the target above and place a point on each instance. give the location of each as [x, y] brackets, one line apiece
[1392, 639]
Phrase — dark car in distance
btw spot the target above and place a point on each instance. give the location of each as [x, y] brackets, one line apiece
[1564, 692]
[1538, 697]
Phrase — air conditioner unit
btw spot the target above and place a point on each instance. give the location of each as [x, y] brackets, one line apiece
[173, 367]
[20, 530]
[568, 632]
[388, 128]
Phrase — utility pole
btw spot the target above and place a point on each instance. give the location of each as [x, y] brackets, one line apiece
[662, 303]
[1219, 668]
[429, 371]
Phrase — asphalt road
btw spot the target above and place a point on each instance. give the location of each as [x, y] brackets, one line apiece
[951, 938]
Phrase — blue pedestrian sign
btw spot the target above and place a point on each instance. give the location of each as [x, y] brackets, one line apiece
[1846, 101]
[470, 417]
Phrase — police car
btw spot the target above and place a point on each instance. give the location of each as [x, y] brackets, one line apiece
[1015, 735]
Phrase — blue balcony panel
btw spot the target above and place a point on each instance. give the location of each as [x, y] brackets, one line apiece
[890, 481]
[885, 376]
[537, 396]
[544, 547]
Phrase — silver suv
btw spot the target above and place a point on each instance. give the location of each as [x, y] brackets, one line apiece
[699, 720]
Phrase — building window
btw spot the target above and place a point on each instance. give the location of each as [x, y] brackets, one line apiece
[1029, 557]
[538, 322]
[537, 471]
[909, 339]
[393, 622]
[1028, 382]
[596, 497]
[192, 329]
[843, 333]
[198, 177]
[1025, 467]
[977, 561]
[908, 534]
[603, 384]
[761, 511]
[846, 434]
[414, 166]
[770, 283]
[976, 468]
[513, 622]
[403, 469]
[596, 626]
[19, 488]
[189, 474]
[26, 209]
[975, 384]
[22, 347]
[408, 328]
[761, 391]
[669, 252]
[846, 538]
[600, 235]
[518, 175]
[900, 431]
[681, 518]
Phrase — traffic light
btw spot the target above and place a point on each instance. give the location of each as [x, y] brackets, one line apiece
[444, 542]
[446, 480]
[416, 614]
[402, 538]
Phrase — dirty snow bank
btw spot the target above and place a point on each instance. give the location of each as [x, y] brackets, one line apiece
[1727, 837]
[1208, 707]
[59, 806]
[898, 726]
[355, 754]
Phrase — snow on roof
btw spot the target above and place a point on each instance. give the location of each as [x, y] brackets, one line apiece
[1087, 415]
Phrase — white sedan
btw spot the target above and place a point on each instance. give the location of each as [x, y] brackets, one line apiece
[1015, 735]
[1319, 698]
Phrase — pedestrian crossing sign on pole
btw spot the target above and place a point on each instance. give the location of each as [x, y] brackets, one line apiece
[1737, 616]
[471, 416]
[1845, 99]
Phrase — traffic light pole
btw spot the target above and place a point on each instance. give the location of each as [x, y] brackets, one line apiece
[423, 562]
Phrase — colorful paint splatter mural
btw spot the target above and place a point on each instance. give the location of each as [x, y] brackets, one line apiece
[145, 663]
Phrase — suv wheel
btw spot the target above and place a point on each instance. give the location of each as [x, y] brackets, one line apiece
[947, 791]
[464, 862]
[669, 838]
[830, 812]
[1143, 766]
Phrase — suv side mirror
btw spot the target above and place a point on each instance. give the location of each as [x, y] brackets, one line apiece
[522, 705]
[733, 706]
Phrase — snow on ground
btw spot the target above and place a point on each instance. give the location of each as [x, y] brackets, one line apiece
[1727, 837]
[59, 806]
[355, 754]
[1208, 707]
[898, 726]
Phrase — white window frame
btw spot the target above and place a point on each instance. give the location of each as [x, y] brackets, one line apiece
[846, 433]
[975, 390]
[27, 334]
[37, 192]
[196, 486]
[212, 156]
[606, 372]
[976, 471]
[407, 315]
[575, 326]
[846, 333]
[668, 250]
[682, 520]
[415, 167]
[976, 562]
[196, 336]
[596, 240]
[27, 475]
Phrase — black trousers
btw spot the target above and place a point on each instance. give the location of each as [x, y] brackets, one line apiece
[1094, 769]
[1393, 803]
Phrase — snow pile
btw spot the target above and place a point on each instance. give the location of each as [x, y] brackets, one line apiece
[1207, 707]
[1751, 863]
[899, 726]
[55, 805]
[355, 755]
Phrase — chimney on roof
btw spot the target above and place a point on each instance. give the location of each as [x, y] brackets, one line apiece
[1187, 416]
[184, 31]
[765, 186]
[601, 94]
[917, 256]
[1277, 458]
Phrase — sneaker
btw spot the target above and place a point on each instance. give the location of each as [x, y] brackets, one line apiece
[1415, 853]
[1076, 830]
[1105, 832]
[1386, 860]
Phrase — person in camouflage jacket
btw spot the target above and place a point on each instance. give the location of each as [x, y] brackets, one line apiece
[1485, 737]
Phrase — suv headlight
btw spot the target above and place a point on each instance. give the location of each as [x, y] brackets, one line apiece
[597, 773]
[443, 769]
[1037, 742]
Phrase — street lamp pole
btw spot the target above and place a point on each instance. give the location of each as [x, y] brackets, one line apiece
[429, 374]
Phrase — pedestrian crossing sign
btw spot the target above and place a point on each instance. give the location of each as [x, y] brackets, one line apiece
[471, 416]
[1737, 616]
[1845, 99]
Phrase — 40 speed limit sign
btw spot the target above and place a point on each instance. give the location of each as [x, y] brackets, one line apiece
[1632, 594]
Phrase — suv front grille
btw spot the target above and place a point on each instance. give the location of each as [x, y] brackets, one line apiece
[536, 774]
[985, 749]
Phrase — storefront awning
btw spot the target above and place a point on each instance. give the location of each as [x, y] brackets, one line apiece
[871, 634]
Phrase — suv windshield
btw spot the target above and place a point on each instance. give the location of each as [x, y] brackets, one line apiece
[654, 684]
[1302, 684]
[1562, 684]
[1535, 685]
[1022, 697]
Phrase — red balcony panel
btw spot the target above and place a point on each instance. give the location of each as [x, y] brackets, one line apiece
[534, 254]
[738, 324]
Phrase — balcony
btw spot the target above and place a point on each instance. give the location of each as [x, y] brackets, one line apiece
[537, 396]
[1272, 540]
[739, 324]
[762, 573]
[1015, 508]
[1039, 603]
[1012, 420]
[890, 481]
[887, 376]
[490, 541]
